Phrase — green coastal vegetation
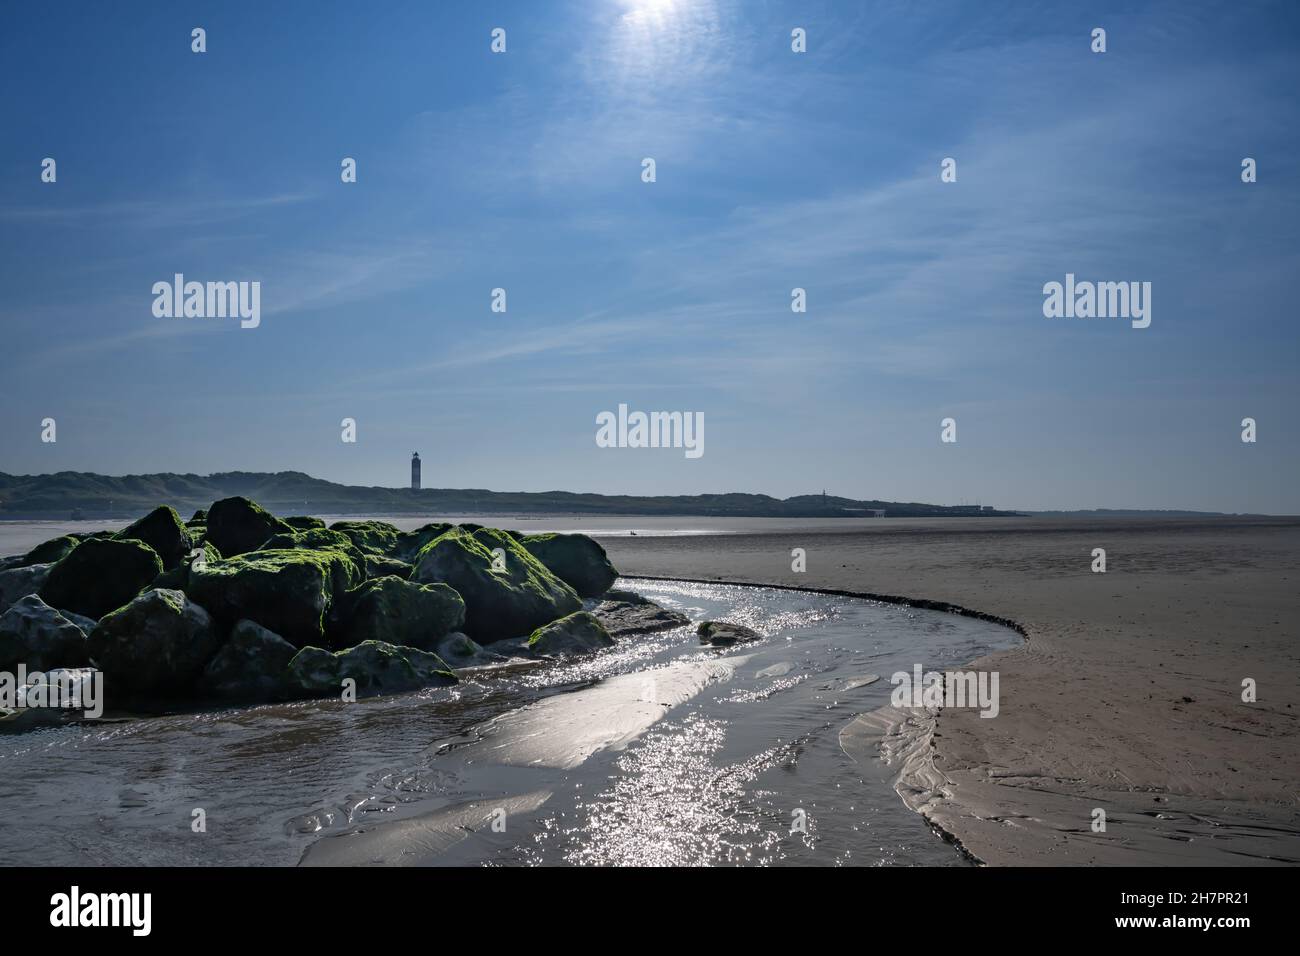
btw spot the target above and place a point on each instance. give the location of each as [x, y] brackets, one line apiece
[291, 492]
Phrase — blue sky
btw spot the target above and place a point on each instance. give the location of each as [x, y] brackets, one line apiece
[774, 170]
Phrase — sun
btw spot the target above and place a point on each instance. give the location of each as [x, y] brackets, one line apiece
[650, 12]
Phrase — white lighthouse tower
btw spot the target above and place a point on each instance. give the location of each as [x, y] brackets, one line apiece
[415, 471]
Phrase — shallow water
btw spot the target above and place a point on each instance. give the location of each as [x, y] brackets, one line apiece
[655, 751]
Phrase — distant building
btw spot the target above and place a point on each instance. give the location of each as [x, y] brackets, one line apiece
[415, 471]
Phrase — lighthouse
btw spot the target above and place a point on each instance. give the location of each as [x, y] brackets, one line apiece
[415, 471]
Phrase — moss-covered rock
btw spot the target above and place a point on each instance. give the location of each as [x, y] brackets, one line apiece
[17, 583]
[289, 592]
[400, 612]
[178, 578]
[199, 517]
[101, 575]
[163, 531]
[316, 539]
[47, 552]
[237, 525]
[376, 537]
[461, 650]
[575, 559]
[157, 645]
[507, 591]
[411, 543]
[250, 665]
[35, 634]
[304, 523]
[381, 567]
[375, 666]
[312, 672]
[578, 633]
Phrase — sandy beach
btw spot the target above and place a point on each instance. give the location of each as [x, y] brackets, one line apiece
[1126, 695]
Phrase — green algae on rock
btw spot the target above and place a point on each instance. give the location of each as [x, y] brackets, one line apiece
[47, 552]
[304, 523]
[237, 525]
[410, 543]
[507, 592]
[156, 644]
[250, 665]
[400, 612]
[376, 537]
[289, 592]
[163, 531]
[575, 559]
[376, 667]
[101, 575]
[577, 633]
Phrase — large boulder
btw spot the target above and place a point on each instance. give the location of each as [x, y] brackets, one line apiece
[87, 624]
[178, 578]
[163, 531]
[304, 523]
[316, 539]
[507, 591]
[289, 592]
[575, 559]
[249, 666]
[628, 614]
[101, 575]
[35, 634]
[312, 672]
[156, 645]
[17, 583]
[47, 552]
[460, 650]
[376, 537]
[578, 633]
[375, 666]
[399, 612]
[237, 525]
[411, 543]
[378, 566]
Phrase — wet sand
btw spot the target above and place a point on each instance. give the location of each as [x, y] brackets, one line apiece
[1125, 697]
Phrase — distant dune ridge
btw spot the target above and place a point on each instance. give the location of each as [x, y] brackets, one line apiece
[293, 492]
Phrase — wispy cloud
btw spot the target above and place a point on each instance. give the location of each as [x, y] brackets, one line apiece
[150, 213]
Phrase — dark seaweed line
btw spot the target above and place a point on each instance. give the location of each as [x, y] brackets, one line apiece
[923, 603]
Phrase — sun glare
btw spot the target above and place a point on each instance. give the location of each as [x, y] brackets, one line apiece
[651, 13]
